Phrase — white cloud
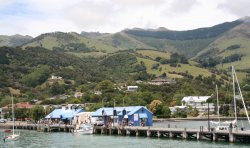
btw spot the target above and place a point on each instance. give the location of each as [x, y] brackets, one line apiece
[34, 17]
[239, 8]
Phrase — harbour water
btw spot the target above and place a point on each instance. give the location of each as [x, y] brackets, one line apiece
[34, 139]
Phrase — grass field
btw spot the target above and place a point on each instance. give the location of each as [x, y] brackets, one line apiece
[153, 53]
[193, 70]
[88, 54]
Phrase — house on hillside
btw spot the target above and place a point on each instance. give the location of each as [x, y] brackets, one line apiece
[132, 88]
[131, 115]
[161, 81]
[23, 105]
[198, 102]
[55, 78]
[78, 94]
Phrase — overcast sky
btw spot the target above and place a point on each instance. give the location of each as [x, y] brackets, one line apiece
[33, 17]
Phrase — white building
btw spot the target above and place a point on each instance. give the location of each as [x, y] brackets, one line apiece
[198, 102]
[78, 94]
[55, 77]
[175, 108]
[132, 88]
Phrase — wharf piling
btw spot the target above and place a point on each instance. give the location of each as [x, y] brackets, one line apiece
[181, 133]
[40, 127]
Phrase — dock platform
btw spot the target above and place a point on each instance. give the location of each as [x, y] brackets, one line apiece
[183, 133]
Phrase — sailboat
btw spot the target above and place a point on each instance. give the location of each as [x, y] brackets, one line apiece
[13, 136]
[233, 124]
[218, 113]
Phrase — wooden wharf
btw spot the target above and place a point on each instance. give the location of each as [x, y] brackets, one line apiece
[41, 127]
[174, 133]
[181, 133]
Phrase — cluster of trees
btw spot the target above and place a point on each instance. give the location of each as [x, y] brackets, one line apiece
[211, 58]
[76, 47]
[36, 113]
[233, 47]
[61, 36]
[213, 61]
[175, 58]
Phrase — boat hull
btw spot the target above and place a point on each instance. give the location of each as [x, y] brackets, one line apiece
[11, 137]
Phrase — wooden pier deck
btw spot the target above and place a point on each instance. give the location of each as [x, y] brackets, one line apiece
[183, 133]
[40, 127]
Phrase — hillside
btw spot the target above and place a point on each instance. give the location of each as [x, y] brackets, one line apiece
[14, 40]
[69, 42]
[148, 57]
[233, 48]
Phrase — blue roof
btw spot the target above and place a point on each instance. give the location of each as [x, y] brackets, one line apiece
[109, 110]
[63, 113]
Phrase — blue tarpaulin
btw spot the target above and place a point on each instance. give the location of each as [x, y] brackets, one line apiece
[63, 113]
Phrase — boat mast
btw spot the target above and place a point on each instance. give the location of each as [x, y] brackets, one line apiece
[218, 111]
[12, 114]
[235, 110]
[241, 96]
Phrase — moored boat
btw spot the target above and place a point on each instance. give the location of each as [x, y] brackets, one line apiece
[85, 129]
[14, 136]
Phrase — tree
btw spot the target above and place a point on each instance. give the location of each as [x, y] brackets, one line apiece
[57, 89]
[105, 86]
[37, 77]
[21, 113]
[166, 111]
[37, 112]
[153, 106]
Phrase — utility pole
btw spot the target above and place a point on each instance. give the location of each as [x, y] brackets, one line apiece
[208, 120]
[114, 114]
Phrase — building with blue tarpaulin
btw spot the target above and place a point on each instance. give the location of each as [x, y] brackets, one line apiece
[131, 115]
[63, 114]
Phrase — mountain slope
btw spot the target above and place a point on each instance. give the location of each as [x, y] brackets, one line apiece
[69, 42]
[123, 41]
[14, 40]
[232, 43]
[188, 42]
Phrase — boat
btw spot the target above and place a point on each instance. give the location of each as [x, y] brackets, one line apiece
[13, 136]
[7, 131]
[221, 125]
[232, 125]
[85, 129]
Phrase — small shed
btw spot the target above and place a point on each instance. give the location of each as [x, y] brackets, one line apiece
[131, 115]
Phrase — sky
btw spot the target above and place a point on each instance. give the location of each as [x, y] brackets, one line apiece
[34, 17]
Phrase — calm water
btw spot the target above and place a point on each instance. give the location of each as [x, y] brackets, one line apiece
[33, 139]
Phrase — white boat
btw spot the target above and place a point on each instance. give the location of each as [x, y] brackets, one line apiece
[85, 129]
[232, 125]
[13, 136]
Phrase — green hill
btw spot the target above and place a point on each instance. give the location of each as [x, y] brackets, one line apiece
[14, 40]
[148, 57]
[69, 42]
[233, 48]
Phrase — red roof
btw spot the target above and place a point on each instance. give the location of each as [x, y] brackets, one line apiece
[23, 105]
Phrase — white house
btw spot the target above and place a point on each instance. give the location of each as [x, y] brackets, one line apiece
[97, 92]
[198, 102]
[78, 94]
[175, 108]
[132, 88]
[160, 81]
[55, 77]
